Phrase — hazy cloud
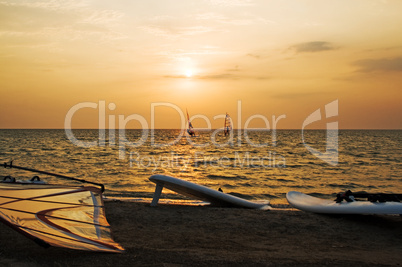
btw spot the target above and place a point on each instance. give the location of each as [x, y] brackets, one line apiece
[175, 32]
[236, 68]
[383, 64]
[174, 27]
[238, 20]
[220, 76]
[316, 46]
[49, 5]
[187, 55]
[292, 95]
[227, 3]
[55, 20]
[97, 17]
[195, 24]
[256, 56]
[224, 76]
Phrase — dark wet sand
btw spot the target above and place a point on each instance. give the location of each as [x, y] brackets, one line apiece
[177, 235]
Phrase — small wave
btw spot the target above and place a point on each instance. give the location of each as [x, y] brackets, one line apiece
[229, 186]
[284, 180]
[294, 166]
[246, 185]
[344, 186]
[301, 186]
[269, 196]
[224, 177]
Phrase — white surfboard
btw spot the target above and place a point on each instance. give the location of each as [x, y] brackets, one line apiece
[200, 192]
[318, 205]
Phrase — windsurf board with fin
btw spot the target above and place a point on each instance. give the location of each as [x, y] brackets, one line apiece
[215, 197]
[319, 205]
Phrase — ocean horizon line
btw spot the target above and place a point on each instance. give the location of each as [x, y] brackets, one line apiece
[205, 130]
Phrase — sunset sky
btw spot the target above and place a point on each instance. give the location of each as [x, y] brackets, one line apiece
[272, 58]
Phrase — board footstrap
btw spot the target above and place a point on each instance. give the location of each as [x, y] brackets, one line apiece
[349, 196]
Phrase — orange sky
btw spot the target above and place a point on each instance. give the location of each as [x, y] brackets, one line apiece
[273, 57]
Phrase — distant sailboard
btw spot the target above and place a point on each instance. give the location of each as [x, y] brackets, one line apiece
[318, 205]
[190, 129]
[57, 215]
[192, 190]
[227, 127]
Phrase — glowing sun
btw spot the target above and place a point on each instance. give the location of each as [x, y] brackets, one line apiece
[189, 73]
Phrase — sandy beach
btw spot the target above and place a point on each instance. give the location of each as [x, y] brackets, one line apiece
[178, 235]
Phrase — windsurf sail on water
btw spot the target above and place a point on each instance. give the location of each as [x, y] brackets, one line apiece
[190, 129]
[227, 128]
[57, 215]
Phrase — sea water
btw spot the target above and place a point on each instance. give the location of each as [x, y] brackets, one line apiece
[255, 165]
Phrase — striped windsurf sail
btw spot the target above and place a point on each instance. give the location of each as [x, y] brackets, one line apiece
[227, 128]
[60, 216]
